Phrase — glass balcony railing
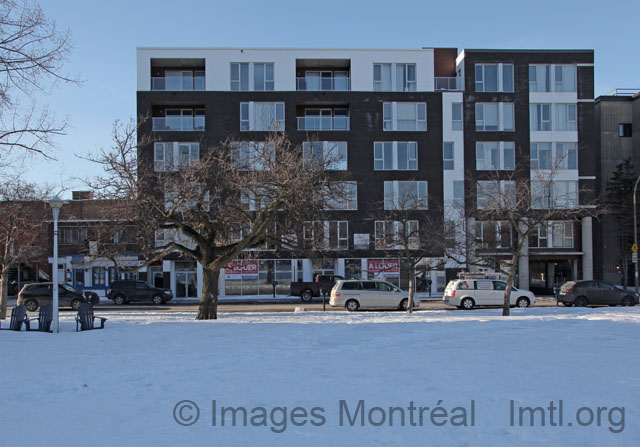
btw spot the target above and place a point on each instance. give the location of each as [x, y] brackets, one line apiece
[178, 84]
[315, 84]
[449, 84]
[323, 123]
[178, 123]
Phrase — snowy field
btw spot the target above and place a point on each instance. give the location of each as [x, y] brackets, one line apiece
[296, 375]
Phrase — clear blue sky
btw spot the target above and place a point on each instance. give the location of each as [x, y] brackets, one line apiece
[106, 34]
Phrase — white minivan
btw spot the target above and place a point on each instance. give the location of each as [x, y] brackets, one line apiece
[467, 293]
[369, 294]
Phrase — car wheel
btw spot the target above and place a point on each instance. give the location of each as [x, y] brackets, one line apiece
[31, 305]
[306, 295]
[352, 305]
[157, 299]
[522, 302]
[580, 301]
[628, 301]
[119, 300]
[404, 304]
[75, 304]
[467, 304]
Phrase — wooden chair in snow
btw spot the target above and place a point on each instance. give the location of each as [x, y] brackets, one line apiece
[18, 318]
[45, 318]
[85, 321]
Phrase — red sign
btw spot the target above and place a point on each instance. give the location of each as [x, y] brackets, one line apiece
[383, 266]
[242, 268]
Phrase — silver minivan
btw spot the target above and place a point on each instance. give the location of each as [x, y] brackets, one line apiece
[369, 294]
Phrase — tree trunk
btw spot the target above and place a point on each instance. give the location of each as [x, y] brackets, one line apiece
[411, 292]
[4, 291]
[506, 306]
[208, 309]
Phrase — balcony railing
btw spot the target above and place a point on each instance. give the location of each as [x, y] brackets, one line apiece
[323, 123]
[339, 84]
[178, 84]
[178, 123]
[449, 83]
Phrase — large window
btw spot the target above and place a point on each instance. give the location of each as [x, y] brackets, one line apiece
[331, 155]
[560, 194]
[495, 155]
[395, 155]
[493, 234]
[404, 116]
[539, 78]
[331, 235]
[253, 155]
[566, 117]
[394, 77]
[397, 235]
[562, 78]
[406, 195]
[496, 194]
[174, 155]
[456, 116]
[565, 78]
[458, 194]
[448, 162]
[553, 234]
[252, 77]
[494, 78]
[564, 157]
[541, 156]
[72, 235]
[261, 116]
[341, 196]
[495, 116]
[539, 117]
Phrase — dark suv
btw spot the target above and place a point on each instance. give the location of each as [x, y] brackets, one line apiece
[586, 292]
[38, 293]
[125, 291]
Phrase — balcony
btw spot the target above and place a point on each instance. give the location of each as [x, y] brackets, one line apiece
[450, 84]
[323, 123]
[178, 123]
[323, 84]
[178, 84]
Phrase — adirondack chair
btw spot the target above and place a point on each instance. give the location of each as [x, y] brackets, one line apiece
[18, 318]
[85, 321]
[45, 317]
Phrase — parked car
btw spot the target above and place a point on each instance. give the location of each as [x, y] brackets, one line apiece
[124, 291]
[307, 290]
[467, 293]
[586, 292]
[369, 294]
[36, 294]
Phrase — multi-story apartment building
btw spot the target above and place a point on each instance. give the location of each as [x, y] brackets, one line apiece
[429, 119]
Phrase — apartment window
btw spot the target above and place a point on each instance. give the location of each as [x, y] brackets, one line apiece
[540, 117]
[458, 194]
[253, 155]
[262, 116]
[566, 117]
[488, 79]
[493, 234]
[404, 116]
[624, 129]
[456, 116]
[539, 78]
[554, 194]
[98, 276]
[495, 116]
[565, 78]
[394, 77]
[562, 234]
[332, 235]
[539, 237]
[395, 155]
[540, 156]
[447, 156]
[332, 155]
[495, 155]
[566, 156]
[406, 195]
[72, 235]
[252, 77]
[496, 194]
[324, 119]
[341, 196]
[171, 156]
[257, 198]
[396, 235]
[165, 237]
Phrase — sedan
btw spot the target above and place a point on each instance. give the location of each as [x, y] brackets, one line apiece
[587, 292]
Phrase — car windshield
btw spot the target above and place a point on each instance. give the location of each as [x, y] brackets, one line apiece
[69, 288]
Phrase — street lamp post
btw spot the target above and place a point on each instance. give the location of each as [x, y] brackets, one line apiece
[55, 203]
[635, 231]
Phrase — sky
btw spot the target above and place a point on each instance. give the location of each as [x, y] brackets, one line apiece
[106, 34]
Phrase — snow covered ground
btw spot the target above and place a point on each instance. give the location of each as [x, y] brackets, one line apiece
[122, 385]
